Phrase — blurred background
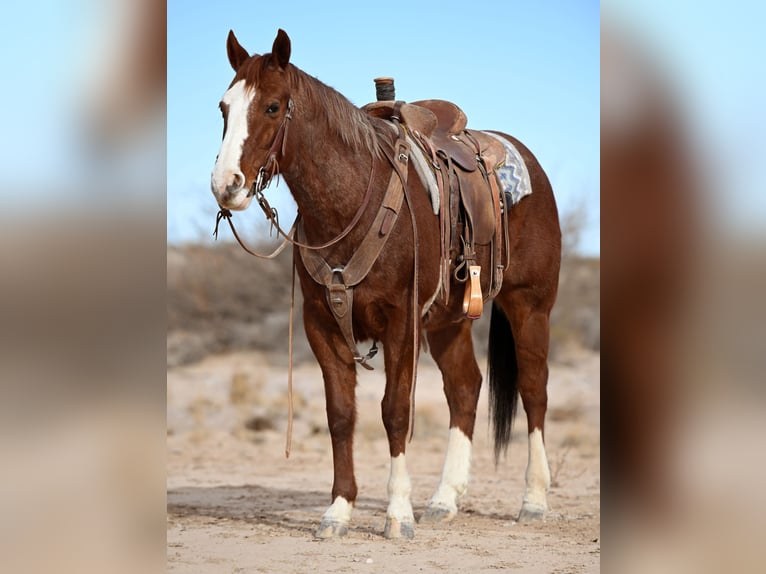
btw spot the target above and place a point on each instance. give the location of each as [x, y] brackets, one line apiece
[82, 282]
[682, 140]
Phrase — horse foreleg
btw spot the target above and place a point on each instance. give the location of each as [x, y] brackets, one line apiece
[395, 408]
[452, 349]
[341, 418]
[339, 374]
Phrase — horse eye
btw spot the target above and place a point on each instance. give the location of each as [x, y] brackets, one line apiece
[273, 108]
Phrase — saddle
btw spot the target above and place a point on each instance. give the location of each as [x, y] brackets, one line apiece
[472, 205]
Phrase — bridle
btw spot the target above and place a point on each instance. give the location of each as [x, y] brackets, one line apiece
[266, 174]
[271, 168]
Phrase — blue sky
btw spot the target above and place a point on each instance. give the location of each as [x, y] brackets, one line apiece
[528, 68]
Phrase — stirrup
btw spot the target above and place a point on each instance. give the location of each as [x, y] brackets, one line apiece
[473, 304]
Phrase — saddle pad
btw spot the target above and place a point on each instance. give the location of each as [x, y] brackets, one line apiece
[424, 171]
[512, 175]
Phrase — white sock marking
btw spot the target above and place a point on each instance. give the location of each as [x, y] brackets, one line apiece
[538, 474]
[339, 511]
[457, 465]
[399, 489]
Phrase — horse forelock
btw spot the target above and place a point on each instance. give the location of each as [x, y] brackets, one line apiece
[251, 70]
[310, 95]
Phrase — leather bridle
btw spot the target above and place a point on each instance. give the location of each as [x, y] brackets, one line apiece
[271, 168]
[266, 174]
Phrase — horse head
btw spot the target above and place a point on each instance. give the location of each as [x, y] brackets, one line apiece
[256, 110]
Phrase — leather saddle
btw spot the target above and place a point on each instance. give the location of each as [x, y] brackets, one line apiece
[439, 120]
[463, 162]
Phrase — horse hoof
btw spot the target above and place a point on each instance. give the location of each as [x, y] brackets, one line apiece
[530, 513]
[437, 514]
[331, 529]
[399, 529]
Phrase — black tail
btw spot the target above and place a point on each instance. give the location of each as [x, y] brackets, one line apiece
[502, 372]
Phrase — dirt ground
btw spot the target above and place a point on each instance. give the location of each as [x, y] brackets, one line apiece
[236, 504]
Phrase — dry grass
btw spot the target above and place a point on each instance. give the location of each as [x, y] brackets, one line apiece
[576, 317]
[572, 411]
[221, 299]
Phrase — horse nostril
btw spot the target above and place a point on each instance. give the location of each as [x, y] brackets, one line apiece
[237, 183]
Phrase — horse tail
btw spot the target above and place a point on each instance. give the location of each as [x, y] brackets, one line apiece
[503, 373]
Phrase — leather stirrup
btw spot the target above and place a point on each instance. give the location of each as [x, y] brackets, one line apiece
[473, 304]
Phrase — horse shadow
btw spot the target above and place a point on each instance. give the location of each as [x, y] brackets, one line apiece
[294, 510]
[290, 509]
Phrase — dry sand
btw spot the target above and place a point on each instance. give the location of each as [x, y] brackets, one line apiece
[235, 504]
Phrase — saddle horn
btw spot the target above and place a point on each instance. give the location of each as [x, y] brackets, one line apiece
[384, 89]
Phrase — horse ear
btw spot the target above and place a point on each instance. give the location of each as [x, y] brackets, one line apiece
[281, 49]
[237, 54]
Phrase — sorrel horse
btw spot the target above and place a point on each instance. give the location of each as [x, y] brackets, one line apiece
[336, 160]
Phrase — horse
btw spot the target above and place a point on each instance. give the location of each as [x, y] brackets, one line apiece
[337, 161]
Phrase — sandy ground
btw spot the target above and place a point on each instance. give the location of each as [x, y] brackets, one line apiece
[236, 504]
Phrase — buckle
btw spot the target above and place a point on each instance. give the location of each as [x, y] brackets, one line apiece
[403, 150]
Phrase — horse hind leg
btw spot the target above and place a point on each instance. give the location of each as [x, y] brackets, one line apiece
[523, 324]
[452, 349]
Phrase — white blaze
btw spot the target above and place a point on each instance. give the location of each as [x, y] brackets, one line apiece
[238, 100]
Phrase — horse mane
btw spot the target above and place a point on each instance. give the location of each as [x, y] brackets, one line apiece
[355, 128]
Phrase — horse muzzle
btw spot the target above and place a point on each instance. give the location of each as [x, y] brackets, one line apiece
[230, 191]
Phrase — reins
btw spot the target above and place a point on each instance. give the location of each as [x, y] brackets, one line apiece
[273, 218]
[416, 267]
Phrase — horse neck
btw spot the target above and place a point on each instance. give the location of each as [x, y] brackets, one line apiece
[327, 175]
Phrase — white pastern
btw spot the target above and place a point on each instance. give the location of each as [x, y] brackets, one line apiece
[339, 511]
[399, 489]
[457, 466]
[238, 99]
[538, 474]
